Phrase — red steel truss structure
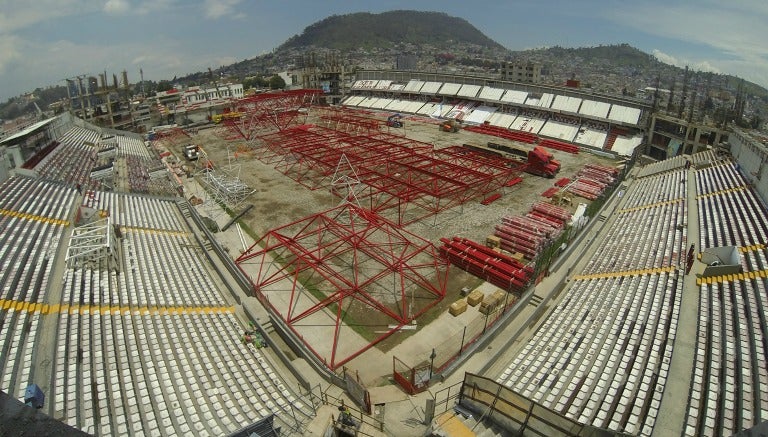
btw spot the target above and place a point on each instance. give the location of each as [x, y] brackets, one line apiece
[350, 121]
[172, 134]
[268, 112]
[343, 267]
[402, 179]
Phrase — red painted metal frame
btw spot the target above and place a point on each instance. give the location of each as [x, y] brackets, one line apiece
[171, 133]
[346, 120]
[268, 112]
[404, 180]
[350, 256]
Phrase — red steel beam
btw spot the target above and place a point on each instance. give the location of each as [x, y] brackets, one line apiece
[348, 254]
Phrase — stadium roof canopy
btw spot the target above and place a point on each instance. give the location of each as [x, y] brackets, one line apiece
[28, 130]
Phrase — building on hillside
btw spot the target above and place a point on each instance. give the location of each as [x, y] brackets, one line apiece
[195, 103]
[526, 72]
[211, 95]
[671, 136]
[406, 61]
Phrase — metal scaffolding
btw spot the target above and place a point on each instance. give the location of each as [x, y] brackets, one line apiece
[222, 185]
[93, 246]
[342, 267]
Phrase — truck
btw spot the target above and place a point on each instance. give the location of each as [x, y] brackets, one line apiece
[450, 125]
[542, 163]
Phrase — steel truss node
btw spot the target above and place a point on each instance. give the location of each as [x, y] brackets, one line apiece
[345, 120]
[345, 266]
[93, 246]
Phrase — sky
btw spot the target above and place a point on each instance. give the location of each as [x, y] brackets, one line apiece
[42, 42]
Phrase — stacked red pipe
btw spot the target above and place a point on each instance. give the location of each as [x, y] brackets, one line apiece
[559, 145]
[528, 234]
[499, 269]
[592, 180]
[487, 129]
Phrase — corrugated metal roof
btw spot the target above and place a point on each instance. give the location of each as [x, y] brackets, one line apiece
[28, 130]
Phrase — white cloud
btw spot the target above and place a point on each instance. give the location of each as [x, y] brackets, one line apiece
[700, 65]
[216, 9]
[16, 15]
[9, 51]
[117, 6]
[734, 31]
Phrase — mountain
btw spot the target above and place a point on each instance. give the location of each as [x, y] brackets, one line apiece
[451, 44]
[387, 29]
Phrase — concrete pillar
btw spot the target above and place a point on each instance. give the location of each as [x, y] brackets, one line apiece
[429, 411]
[696, 145]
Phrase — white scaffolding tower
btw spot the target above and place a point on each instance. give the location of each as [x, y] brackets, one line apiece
[222, 185]
[345, 182]
[93, 246]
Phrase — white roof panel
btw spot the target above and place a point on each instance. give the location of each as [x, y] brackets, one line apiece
[489, 93]
[431, 87]
[514, 96]
[413, 86]
[450, 89]
[469, 91]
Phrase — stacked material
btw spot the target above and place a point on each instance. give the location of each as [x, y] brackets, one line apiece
[499, 269]
[458, 307]
[592, 180]
[559, 145]
[523, 137]
[530, 233]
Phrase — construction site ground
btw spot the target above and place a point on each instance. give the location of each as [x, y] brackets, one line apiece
[279, 200]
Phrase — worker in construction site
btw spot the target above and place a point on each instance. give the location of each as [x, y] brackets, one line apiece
[345, 416]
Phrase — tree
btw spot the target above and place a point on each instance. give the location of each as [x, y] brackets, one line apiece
[276, 82]
[164, 85]
[709, 104]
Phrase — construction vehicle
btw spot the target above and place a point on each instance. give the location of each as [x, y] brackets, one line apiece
[450, 125]
[218, 118]
[395, 120]
[542, 163]
[191, 152]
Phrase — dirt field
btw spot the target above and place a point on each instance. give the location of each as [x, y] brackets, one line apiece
[279, 200]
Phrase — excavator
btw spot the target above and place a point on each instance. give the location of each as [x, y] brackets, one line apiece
[450, 125]
[395, 120]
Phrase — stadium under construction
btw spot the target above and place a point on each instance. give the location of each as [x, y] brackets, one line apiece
[505, 259]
